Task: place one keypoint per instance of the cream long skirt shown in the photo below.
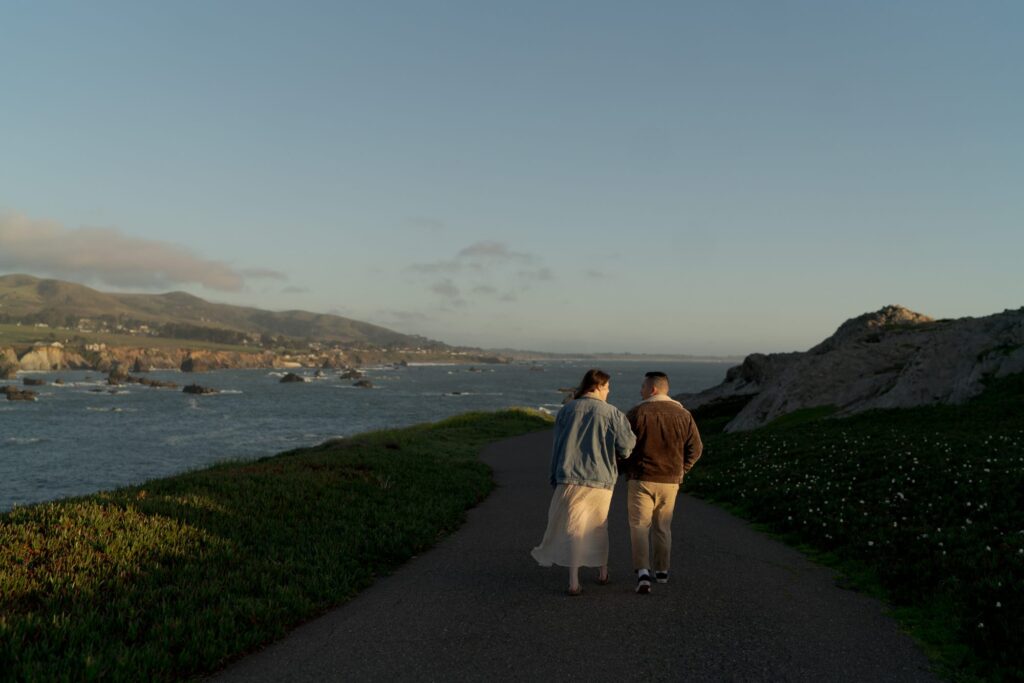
(577, 533)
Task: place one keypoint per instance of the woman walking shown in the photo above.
(589, 434)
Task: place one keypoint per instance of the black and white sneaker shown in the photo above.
(643, 584)
(661, 577)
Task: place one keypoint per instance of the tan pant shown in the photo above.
(651, 505)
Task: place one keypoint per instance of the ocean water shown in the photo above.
(84, 436)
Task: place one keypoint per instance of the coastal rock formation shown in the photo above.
(15, 394)
(53, 357)
(147, 382)
(193, 364)
(117, 375)
(196, 389)
(292, 377)
(351, 373)
(363, 384)
(8, 364)
(33, 382)
(892, 358)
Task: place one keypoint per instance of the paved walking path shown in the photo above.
(739, 607)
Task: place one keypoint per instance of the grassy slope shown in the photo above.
(924, 507)
(15, 336)
(23, 295)
(173, 578)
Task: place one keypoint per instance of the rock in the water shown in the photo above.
(139, 366)
(15, 394)
(192, 364)
(363, 384)
(154, 383)
(59, 382)
(351, 373)
(118, 375)
(196, 389)
(292, 377)
(33, 382)
(892, 358)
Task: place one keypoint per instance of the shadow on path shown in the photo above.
(740, 607)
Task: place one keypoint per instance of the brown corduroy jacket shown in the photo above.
(667, 441)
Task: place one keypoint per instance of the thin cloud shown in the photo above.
(449, 292)
(483, 270)
(445, 288)
(405, 316)
(475, 258)
(442, 267)
(544, 274)
(294, 290)
(493, 251)
(109, 256)
(263, 274)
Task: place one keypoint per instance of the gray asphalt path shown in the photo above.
(739, 607)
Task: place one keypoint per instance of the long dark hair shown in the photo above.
(592, 380)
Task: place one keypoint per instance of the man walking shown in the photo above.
(667, 446)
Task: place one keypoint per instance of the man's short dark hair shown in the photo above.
(658, 379)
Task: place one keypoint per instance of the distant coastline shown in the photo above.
(538, 356)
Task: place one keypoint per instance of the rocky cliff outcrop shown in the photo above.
(892, 358)
(46, 358)
(8, 364)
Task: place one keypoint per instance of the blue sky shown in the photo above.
(709, 178)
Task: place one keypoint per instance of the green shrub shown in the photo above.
(925, 504)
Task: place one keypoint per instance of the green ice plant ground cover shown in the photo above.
(175, 577)
(923, 507)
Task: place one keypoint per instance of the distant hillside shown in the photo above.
(31, 300)
(892, 358)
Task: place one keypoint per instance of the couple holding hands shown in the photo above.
(655, 444)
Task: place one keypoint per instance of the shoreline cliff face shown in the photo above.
(892, 358)
(48, 358)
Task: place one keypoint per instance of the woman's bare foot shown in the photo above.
(602, 575)
(574, 581)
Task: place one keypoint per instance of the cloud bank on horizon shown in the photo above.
(111, 257)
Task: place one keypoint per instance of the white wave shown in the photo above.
(23, 440)
(231, 391)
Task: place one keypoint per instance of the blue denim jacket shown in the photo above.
(589, 433)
